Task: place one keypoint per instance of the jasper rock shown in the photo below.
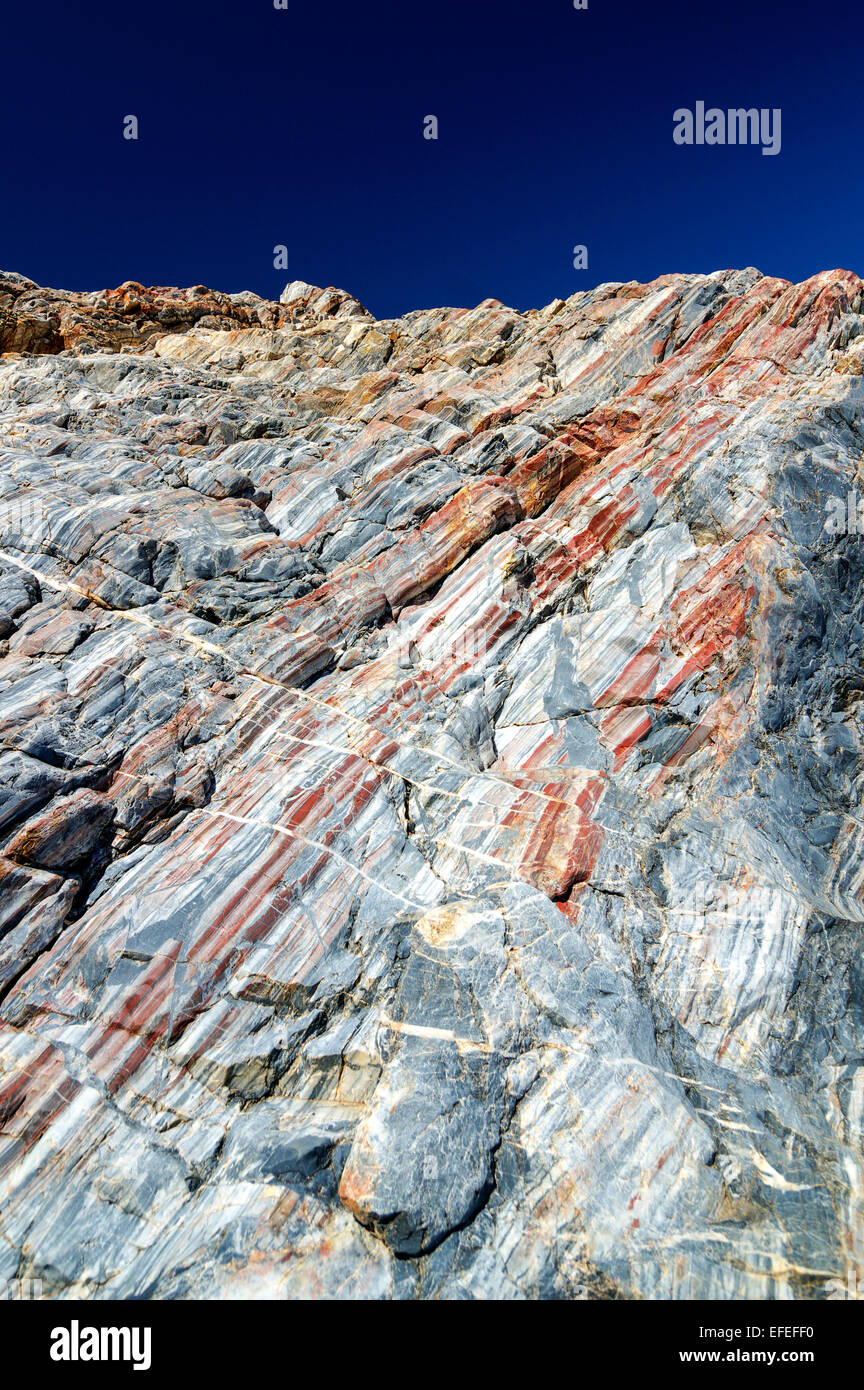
(432, 752)
(33, 910)
(426, 1170)
(65, 834)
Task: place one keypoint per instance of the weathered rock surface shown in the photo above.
(430, 780)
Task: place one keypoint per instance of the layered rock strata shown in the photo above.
(430, 779)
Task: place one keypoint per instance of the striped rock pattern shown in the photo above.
(431, 863)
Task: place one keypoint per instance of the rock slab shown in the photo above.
(430, 785)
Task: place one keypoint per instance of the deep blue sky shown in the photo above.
(261, 127)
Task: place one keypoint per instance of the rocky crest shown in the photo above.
(430, 775)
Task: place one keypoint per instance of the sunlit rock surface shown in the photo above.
(430, 780)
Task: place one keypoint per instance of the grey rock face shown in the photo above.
(430, 794)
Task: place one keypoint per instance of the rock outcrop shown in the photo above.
(430, 771)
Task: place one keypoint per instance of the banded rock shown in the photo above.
(430, 845)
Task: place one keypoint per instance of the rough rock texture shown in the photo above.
(430, 767)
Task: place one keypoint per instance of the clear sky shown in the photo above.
(303, 127)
